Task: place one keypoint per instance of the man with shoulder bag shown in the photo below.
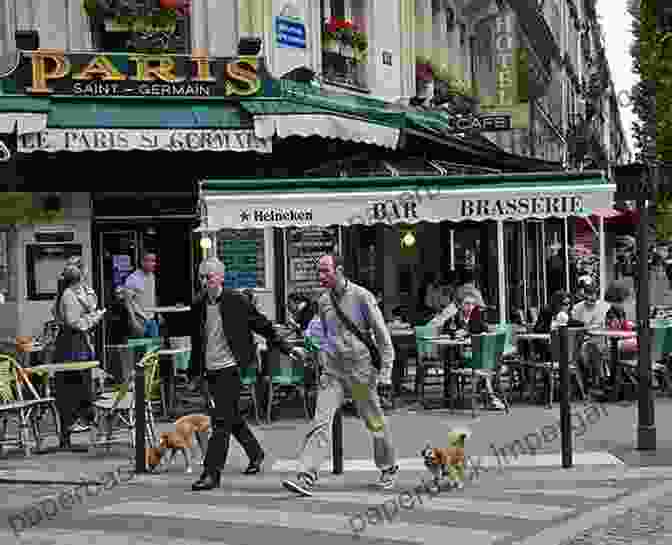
(351, 362)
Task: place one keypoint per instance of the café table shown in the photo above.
(402, 337)
(167, 357)
(456, 344)
(53, 368)
(613, 335)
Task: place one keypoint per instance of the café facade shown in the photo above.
(240, 156)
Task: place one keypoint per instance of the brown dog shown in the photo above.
(180, 440)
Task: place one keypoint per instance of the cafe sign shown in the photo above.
(52, 140)
(46, 72)
(561, 205)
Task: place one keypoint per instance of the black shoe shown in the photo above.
(255, 465)
(208, 481)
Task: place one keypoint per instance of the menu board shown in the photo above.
(305, 246)
(242, 252)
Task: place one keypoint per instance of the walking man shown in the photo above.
(221, 344)
(348, 365)
(143, 282)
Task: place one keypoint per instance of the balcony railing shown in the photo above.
(342, 69)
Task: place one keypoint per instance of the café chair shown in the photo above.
(286, 374)
(428, 359)
(30, 414)
(120, 407)
(661, 344)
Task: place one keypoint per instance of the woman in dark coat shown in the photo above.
(76, 311)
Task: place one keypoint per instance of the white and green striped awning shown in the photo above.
(245, 204)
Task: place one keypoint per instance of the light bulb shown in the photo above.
(206, 243)
(408, 240)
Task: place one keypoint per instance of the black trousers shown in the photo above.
(225, 419)
(73, 398)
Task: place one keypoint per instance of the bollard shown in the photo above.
(565, 415)
(337, 442)
(140, 418)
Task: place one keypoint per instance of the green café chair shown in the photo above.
(428, 359)
(487, 350)
(249, 379)
(287, 374)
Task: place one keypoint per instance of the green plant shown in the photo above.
(453, 82)
(161, 19)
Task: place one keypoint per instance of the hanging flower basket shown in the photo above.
(121, 20)
(342, 36)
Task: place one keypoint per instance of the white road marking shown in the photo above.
(584, 493)
(302, 520)
(460, 504)
(57, 536)
(491, 462)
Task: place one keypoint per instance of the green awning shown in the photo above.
(241, 204)
(23, 114)
(132, 113)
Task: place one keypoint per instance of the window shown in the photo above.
(44, 264)
(341, 63)
(115, 33)
(242, 252)
(7, 271)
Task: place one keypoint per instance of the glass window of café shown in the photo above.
(243, 253)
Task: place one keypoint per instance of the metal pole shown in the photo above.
(337, 442)
(646, 429)
(501, 273)
(140, 418)
(565, 415)
(603, 259)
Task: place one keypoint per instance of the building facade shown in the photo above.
(414, 57)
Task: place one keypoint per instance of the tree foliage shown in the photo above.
(652, 95)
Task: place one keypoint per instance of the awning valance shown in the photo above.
(22, 115)
(244, 204)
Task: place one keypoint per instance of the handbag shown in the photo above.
(376, 360)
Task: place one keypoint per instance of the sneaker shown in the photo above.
(302, 485)
(78, 428)
(388, 477)
(496, 404)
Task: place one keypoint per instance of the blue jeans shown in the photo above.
(151, 328)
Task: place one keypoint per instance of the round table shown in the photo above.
(167, 367)
(455, 343)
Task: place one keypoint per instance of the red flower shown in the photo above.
(332, 27)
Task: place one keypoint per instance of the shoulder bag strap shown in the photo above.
(350, 325)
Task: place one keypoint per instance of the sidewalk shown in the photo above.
(608, 440)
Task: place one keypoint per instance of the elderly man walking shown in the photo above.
(351, 362)
(221, 344)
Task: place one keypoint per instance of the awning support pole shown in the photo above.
(452, 249)
(501, 272)
(523, 230)
(565, 225)
(603, 264)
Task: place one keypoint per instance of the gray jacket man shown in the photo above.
(347, 368)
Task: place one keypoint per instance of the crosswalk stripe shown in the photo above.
(583, 493)
(460, 504)
(57, 536)
(302, 520)
(524, 460)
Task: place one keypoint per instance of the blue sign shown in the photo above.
(290, 32)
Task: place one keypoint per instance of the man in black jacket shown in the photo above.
(221, 344)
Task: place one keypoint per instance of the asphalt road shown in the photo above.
(508, 508)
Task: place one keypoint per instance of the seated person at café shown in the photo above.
(466, 284)
(617, 295)
(468, 320)
(592, 313)
(552, 316)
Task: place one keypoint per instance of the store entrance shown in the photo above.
(119, 249)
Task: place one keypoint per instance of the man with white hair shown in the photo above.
(221, 344)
